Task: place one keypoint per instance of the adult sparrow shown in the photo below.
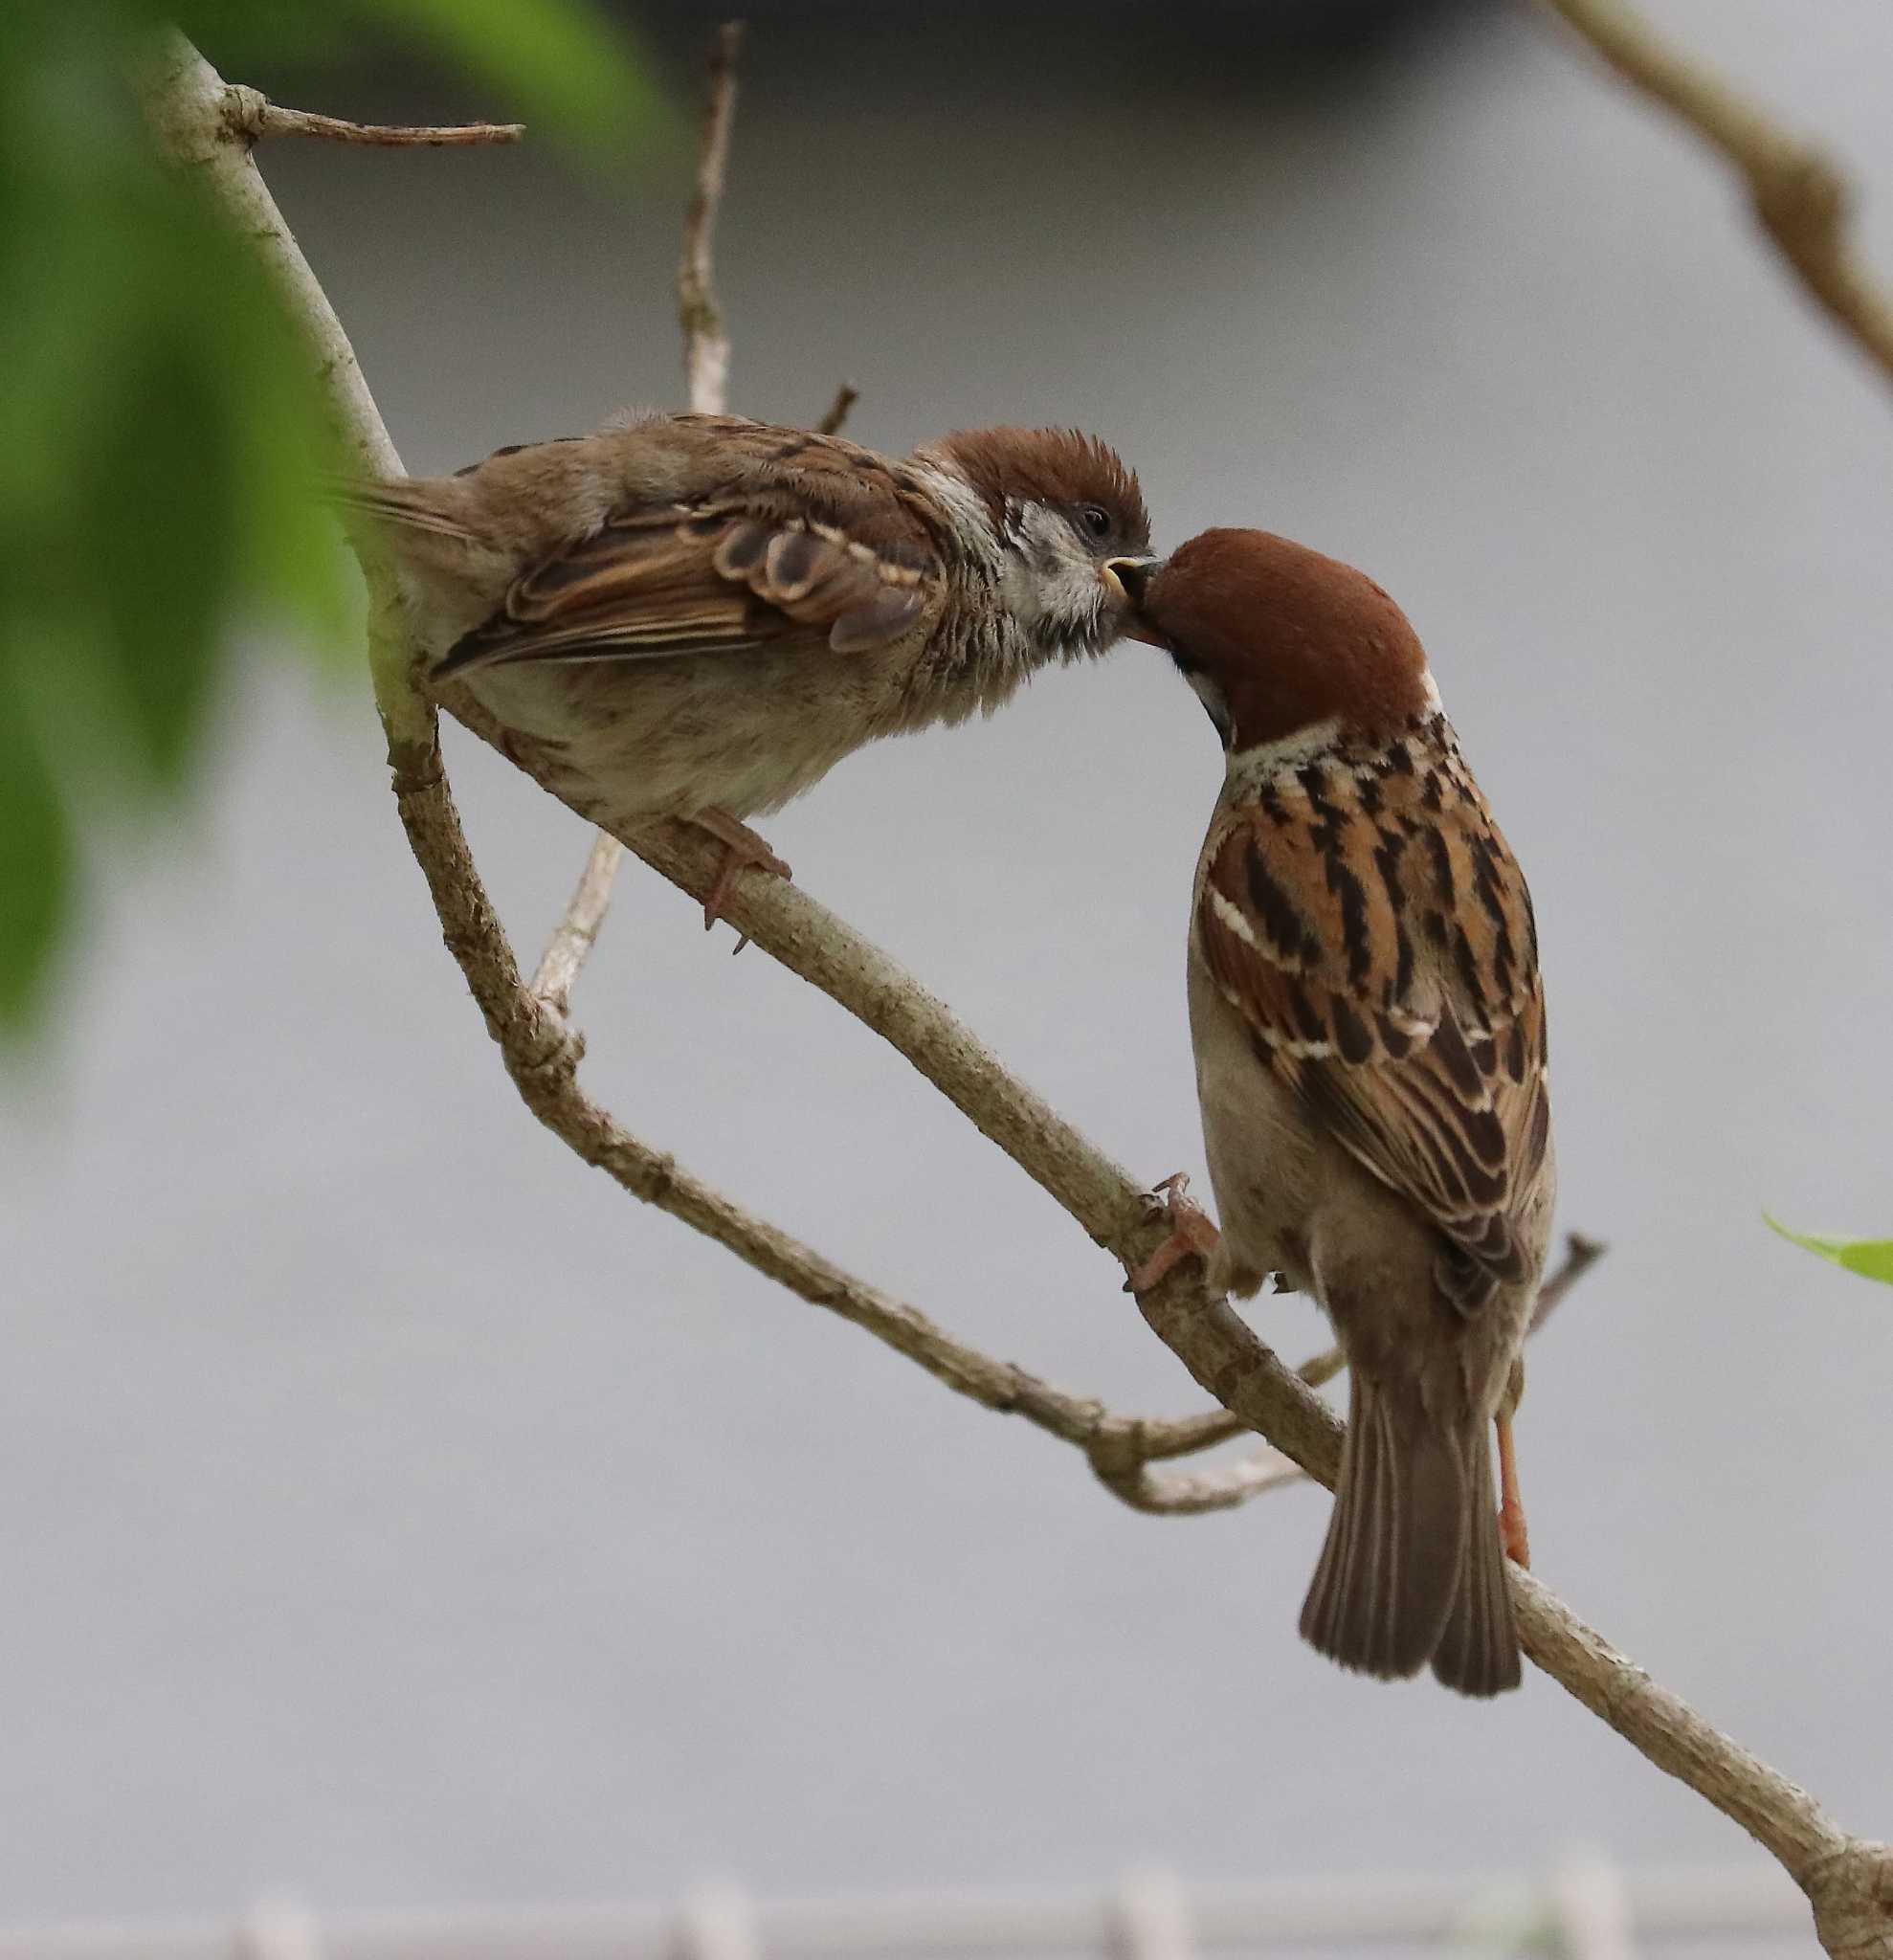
(698, 617)
(1369, 1026)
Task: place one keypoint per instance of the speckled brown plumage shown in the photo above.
(1410, 1024)
(1371, 1042)
(682, 616)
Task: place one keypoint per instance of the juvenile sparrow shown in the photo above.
(1368, 1025)
(698, 617)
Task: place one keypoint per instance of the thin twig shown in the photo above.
(1581, 1254)
(1235, 1484)
(845, 398)
(1319, 1369)
(540, 1048)
(1849, 1880)
(541, 1053)
(706, 369)
(577, 931)
(1120, 1465)
(254, 117)
(705, 342)
(1800, 197)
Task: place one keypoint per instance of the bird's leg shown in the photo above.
(1191, 1235)
(742, 850)
(1511, 1507)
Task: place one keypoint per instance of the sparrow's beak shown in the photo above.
(1129, 576)
(1125, 576)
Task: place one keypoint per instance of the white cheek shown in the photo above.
(1048, 576)
(1024, 593)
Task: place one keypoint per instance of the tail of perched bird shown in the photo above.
(1479, 1649)
(441, 540)
(408, 505)
(1412, 1570)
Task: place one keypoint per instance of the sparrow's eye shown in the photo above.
(1095, 519)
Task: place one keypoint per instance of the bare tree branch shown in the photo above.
(706, 341)
(577, 931)
(253, 117)
(542, 1055)
(195, 116)
(1848, 1880)
(540, 1050)
(707, 372)
(1118, 1464)
(1800, 197)
(1581, 1254)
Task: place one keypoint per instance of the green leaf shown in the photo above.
(295, 566)
(1870, 1257)
(160, 427)
(561, 63)
(164, 537)
(241, 38)
(37, 860)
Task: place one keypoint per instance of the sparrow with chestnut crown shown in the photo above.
(1368, 1025)
(698, 617)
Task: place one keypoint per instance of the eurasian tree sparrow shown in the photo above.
(1368, 1025)
(698, 617)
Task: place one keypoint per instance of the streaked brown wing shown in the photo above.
(1382, 950)
(650, 584)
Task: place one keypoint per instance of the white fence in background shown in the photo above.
(1588, 1909)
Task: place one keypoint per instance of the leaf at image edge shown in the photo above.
(1872, 1258)
(37, 864)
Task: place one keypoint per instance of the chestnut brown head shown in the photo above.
(1277, 640)
(1070, 519)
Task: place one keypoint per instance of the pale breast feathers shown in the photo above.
(1368, 921)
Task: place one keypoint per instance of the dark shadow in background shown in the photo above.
(846, 57)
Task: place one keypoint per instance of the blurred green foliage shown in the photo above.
(1870, 1257)
(159, 427)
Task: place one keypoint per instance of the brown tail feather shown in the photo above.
(396, 503)
(1389, 1572)
(1479, 1651)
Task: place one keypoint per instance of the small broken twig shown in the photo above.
(250, 115)
(706, 341)
(577, 931)
(1581, 1254)
(845, 398)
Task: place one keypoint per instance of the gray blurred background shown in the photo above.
(392, 1510)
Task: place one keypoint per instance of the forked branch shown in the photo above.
(706, 375)
(1848, 1880)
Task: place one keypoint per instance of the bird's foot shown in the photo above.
(743, 851)
(1512, 1534)
(1191, 1235)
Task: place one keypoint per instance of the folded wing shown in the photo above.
(1375, 933)
(650, 584)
